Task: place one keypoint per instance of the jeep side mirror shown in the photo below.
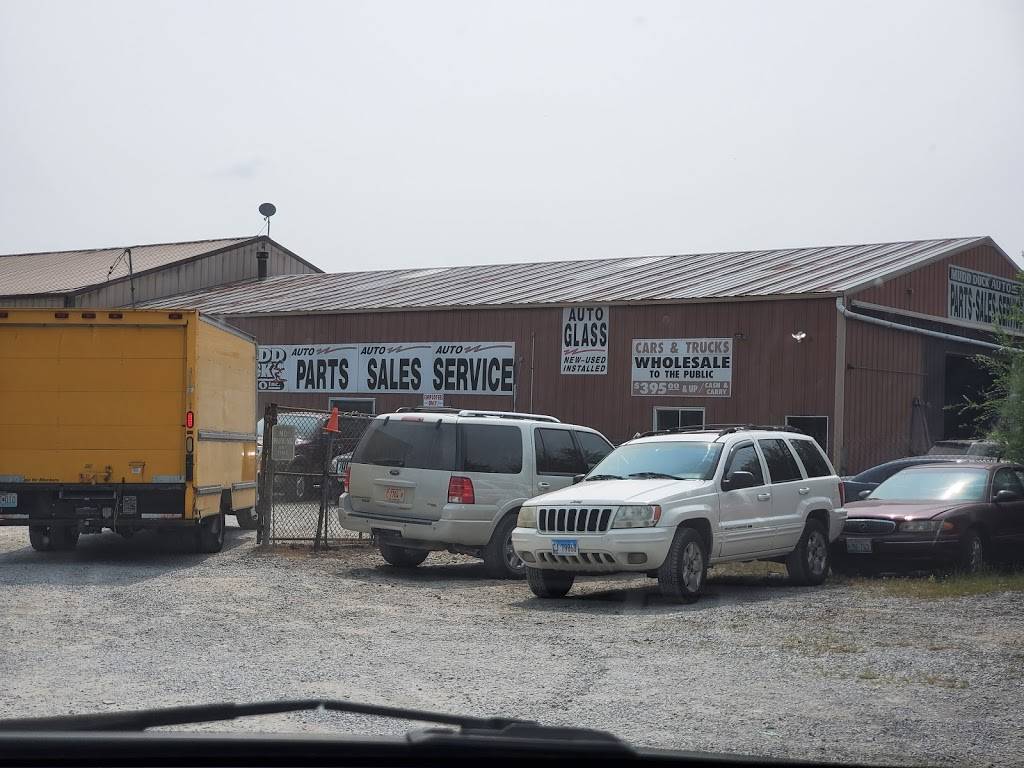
(737, 480)
(577, 479)
(864, 494)
(1006, 495)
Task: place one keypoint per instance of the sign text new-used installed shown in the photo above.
(585, 340)
(472, 367)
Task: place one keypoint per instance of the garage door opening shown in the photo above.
(967, 380)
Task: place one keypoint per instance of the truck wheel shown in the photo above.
(808, 564)
(402, 557)
(67, 537)
(41, 538)
(210, 535)
(547, 584)
(682, 575)
(246, 519)
(500, 559)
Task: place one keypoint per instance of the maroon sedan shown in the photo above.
(965, 513)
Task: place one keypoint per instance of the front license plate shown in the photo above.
(565, 547)
(9, 500)
(860, 546)
(394, 495)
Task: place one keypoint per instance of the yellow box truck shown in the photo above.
(127, 420)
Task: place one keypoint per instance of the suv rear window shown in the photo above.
(408, 443)
(491, 448)
(810, 455)
(782, 467)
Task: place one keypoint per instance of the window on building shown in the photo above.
(677, 418)
(354, 405)
(556, 453)
(782, 467)
(815, 426)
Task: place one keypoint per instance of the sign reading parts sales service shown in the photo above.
(978, 297)
(682, 367)
(585, 340)
(470, 367)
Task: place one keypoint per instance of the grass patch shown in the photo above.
(940, 587)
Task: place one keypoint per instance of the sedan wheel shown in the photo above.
(972, 552)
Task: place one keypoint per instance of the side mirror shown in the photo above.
(737, 480)
(1005, 495)
(577, 479)
(864, 494)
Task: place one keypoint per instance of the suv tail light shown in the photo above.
(460, 491)
(346, 477)
(842, 493)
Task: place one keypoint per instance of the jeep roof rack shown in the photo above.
(508, 415)
(721, 429)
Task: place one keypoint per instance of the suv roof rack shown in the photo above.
(722, 429)
(425, 409)
(508, 415)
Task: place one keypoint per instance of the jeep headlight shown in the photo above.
(637, 516)
(527, 517)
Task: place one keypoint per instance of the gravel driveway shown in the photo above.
(841, 672)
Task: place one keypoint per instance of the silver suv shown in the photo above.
(671, 504)
(445, 479)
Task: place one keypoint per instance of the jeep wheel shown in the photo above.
(682, 575)
(547, 584)
(808, 564)
(500, 558)
(401, 557)
(210, 533)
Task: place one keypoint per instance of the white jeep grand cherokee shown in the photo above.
(671, 504)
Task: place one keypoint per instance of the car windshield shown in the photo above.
(676, 459)
(933, 484)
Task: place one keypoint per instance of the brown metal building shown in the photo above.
(864, 346)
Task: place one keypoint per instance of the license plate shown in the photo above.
(565, 547)
(9, 500)
(860, 546)
(394, 495)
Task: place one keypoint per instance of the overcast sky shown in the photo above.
(395, 134)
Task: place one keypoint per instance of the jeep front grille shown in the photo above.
(573, 519)
(868, 525)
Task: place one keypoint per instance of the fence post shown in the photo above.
(265, 485)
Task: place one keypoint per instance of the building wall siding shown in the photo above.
(773, 375)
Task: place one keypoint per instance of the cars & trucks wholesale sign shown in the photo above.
(682, 367)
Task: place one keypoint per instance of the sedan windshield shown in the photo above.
(931, 484)
(675, 460)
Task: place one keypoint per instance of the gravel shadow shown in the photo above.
(109, 558)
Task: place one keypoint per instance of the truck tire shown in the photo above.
(809, 562)
(210, 533)
(401, 557)
(41, 538)
(547, 584)
(246, 519)
(500, 559)
(67, 538)
(682, 575)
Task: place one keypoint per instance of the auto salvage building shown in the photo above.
(864, 346)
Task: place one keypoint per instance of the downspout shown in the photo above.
(839, 399)
(851, 315)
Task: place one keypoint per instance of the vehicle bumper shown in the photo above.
(900, 547)
(136, 505)
(418, 533)
(598, 553)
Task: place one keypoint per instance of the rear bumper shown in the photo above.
(417, 533)
(598, 552)
(141, 505)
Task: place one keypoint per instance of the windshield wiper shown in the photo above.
(141, 719)
(605, 477)
(655, 476)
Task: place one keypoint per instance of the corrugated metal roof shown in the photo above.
(825, 270)
(64, 271)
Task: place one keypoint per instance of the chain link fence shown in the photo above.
(302, 464)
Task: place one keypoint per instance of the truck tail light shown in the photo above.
(190, 420)
(460, 491)
(346, 476)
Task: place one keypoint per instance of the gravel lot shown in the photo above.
(841, 672)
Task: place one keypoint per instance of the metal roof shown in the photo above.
(65, 271)
(795, 271)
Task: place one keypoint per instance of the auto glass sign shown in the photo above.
(682, 367)
(978, 297)
(585, 340)
(470, 367)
